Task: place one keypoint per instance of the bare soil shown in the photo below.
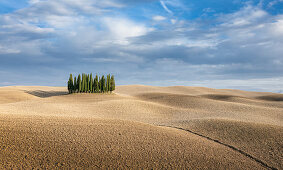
(140, 127)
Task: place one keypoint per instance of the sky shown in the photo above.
(235, 44)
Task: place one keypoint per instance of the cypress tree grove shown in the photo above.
(85, 83)
(112, 84)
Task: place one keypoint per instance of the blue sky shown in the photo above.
(220, 44)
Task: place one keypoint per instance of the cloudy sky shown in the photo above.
(220, 44)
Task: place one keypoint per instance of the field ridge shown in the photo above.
(224, 144)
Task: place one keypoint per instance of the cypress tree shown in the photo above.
(83, 83)
(87, 83)
(96, 84)
(70, 84)
(75, 85)
(112, 85)
(82, 89)
(103, 87)
(79, 84)
(90, 83)
(108, 83)
(93, 85)
(99, 84)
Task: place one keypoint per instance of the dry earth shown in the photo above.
(140, 127)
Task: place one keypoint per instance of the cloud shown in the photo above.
(227, 50)
(276, 28)
(247, 15)
(59, 37)
(5, 50)
(158, 18)
(124, 28)
(274, 2)
(165, 7)
(34, 1)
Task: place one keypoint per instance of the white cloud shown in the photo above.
(277, 28)
(165, 7)
(7, 50)
(274, 2)
(158, 18)
(34, 1)
(186, 42)
(173, 21)
(120, 57)
(245, 16)
(56, 21)
(121, 28)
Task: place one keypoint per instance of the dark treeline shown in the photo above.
(85, 83)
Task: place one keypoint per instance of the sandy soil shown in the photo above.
(140, 127)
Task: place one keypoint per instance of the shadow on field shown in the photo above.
(219, 97)
(45, 94)
(276, 97)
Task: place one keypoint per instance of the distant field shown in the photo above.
(140, 127)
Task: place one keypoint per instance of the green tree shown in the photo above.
(108, 83)
(96, 84)
(90, 83)
(99, 83)
(70, 84)
(83, 85)
(79, 83)
(75, 85)
(112, 85)
(87, 83)
(103, 84)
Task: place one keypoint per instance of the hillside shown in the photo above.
(141, 126)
